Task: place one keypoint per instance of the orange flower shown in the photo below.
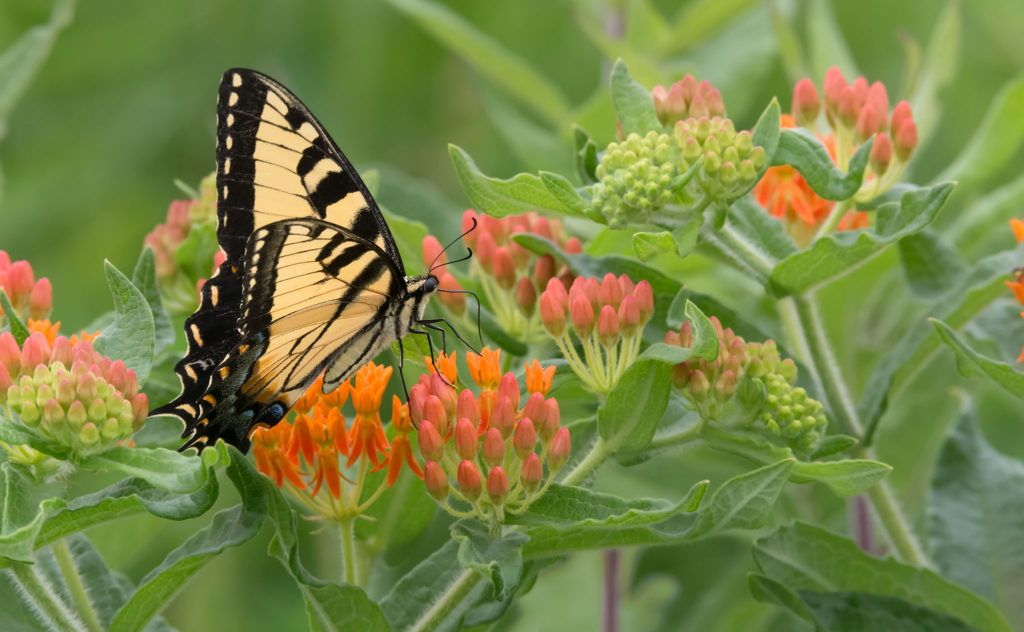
(367, 433)
(485, 368)
(271, 459)
(1017, 285)
(446, 363)
(1018, 229)
(45, 327)
(401, 447)
(83, 336)
(538, 380)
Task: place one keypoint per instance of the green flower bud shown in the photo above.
(757, 157)
(744, 143)
(109, 430)
(97, 411)
(712, 163)
(729, 154)
(77, 415)
(90, 434)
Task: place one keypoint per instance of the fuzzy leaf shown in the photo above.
(519, 194)
(163, 468)
(766, 133)
(800, 148)
(745, 501)
(648, 245)
(409, 603)
(194, 256)
(144, 278)
(585, 155)
(18, 328)
(501, 560)
(803, 557)
(976, 516)
(970, 363)
(864, 612)
(838, 254)
(633, 103)
(132, 335)
(845, 478)
(931, 264)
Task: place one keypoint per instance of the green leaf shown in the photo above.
(984, 284)
(760, 229)
(163, 468)
(834, 444)
(770, 591)
(970, 363)
(195, 255)
(500, 560)
(864, 612)
(633, 103)
(569, 519)
(803, 557)
(710, 305)
(845, 478)
(800, 148)
(646, 246)
(744, 501)
(995, 141)
(976, 516)
(825, 43)
(18, 328)
(20, 518)
(132, 336)
(767, 131)
(128, 497)
(519, 194)
(838, 254)
(410, 602)
(23, 59)
(931, 264)
(585, 155)
(229, 528)
(499, 65)
(144, 278)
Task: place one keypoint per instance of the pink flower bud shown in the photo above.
(629, 316)
(525, 438)
(117, 375)
(53, 413)
(10, 354)
(436, 480)
(608, 326)
(465, 439)
(860, 92)
(833, 84)
(140, 409)
(509, 387)
(86, 386)
(485, 248)
(493, 447)
(444, 392)
(592, 290)
(19, 282)
(535, 408)
(5, 260)
(433, 252)
(34, 351)
(544, 270)
(433, 411)
(467, 408)
(805, 103)
(532, 472)
(61, 351)
(41, 299)
(900, 113)
(548, 424)
(881, 154)
(609, 292)
(417, 401)
(848, 107)
(469, 481)
(869, 123)
(905, 139)
(557, 291)
(497, 484)
(699, 385)
(503, 416)
(878, 99)
(431, 445)
(551, 312)
(5, 381)
(451, 296)
(561, 447)
(725, 386)
(699, 107)
(503, 268)
(582, 317)
(469, 218)
(526, 296)
(574, 246)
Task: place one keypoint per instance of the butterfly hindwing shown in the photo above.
(275, 162)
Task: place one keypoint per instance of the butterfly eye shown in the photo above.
(430, 284)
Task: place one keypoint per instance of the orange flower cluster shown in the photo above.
(786, 195)
(313, 450)
(1017, 285)
(462, 435)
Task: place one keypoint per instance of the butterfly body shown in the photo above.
(313, 282)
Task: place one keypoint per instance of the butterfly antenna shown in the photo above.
(451, 243)
(479, 330)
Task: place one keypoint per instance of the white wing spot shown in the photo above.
(196, 336)
(231, 119)
(236, 80)
(228, 142)
(227, 165)
(233, 99)
(225, 191)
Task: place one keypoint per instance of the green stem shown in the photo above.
(838, 211)
(346, 529)
(895, 522)
(739, 249)
(446, 602)
(598, 454)
(75, 586)
(673, 439)
(43, 600)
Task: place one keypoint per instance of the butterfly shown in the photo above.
(313, 282)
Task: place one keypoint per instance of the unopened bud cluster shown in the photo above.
(175, 273)
(68, 395)
(510, 275)
(607, 317)
(857, 112)
(643, 174)
(750, 386)
(483, 450)
(30, 298)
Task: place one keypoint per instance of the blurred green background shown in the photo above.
(124, 105)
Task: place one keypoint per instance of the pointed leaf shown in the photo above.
(166, 469)
(132, 335)
(766, 133)
(501, 560)
(803, 150)
(743, 502)
(585, 155)
(144, 278)
(845, 478)
(18, 328)
(520, 194)
(634, 104)
(864, 612)
(973, 364)
(931, 264)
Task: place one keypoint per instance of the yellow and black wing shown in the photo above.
(310, 275)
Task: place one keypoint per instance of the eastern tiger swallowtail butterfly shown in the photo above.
(313, 282)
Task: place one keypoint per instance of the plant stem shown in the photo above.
(447, 601)
(838, 211)
(346, 529)
(670, 440)
(610, 614)
(75, 586)
(895, 523)
(43, 600)
(597, 455)
(746, 255)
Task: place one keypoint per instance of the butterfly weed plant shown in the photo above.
(449, 501)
